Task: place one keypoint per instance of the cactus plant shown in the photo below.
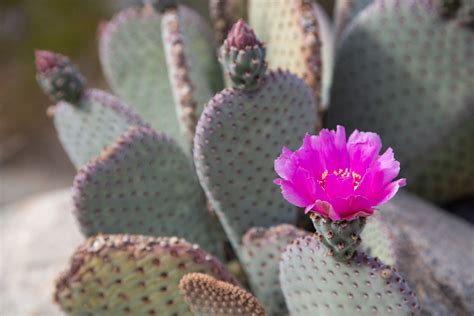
(119, 274)
(154, 188)
(315, 284)
(241, 128)
(171, 158)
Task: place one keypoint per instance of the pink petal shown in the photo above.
(308, 157)
(387, 192)
(320, 207)
(350, 207)
(332, 149)
(292, 194)
(363, 148)
(284, 165)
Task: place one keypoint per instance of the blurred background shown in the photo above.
(31, 159)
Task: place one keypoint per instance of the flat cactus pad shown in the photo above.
(90, 125)
(132, 274)
(290, 31)
(261, 254)
(237, 138)
(315, 284)
(144, 184)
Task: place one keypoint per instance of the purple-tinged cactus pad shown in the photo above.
(407, 74)
(132, 275)
(193, 69)
(237, 138)
(261, 254)
(91, 124)
(207, 296)
(144, 184)
(314, 284)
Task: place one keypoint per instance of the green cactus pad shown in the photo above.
(261, 253)
(143, 184)
(411, 82)
(132, 275)
(207, 296)
(134, 60)
(90, 125)
(378, 240)
(291, 33)
(435, 252)
(317, 285)
(238, 136)
(345, 11)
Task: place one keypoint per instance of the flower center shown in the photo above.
(346, 173)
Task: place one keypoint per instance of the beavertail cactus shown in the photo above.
(315, 284)
(87, 120)
(144, 184)
(139, 275)
(207, 296)
(261, 254)
(162, 64)
(241, 129)
(173, 158)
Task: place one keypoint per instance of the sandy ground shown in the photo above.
(45, 225)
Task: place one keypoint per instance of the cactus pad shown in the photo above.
(345, 11)
(315, 284)
(144, 184)
(194, 72)
(133, 59)
(291, 33)
(136, 275)
(135, 62)
(406, 73)
(207, 296)
(237, 137)
(378, 240)
(90, 125)
(261, 254)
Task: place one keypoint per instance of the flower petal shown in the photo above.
(363, 148)
(350, 207)
(284, 165)
(332, 149)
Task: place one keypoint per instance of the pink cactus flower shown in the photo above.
(337, 178)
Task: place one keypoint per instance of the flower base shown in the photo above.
(341, 238)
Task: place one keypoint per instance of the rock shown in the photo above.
(38, 237)
(436, 254)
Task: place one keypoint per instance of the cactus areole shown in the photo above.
(340, 181)
(58, 77)
(243, 57)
